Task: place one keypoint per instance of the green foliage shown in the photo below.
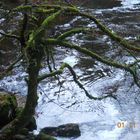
(8, 104)
(43, 136)
(19, 111)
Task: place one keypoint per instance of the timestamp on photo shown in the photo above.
(122, 124)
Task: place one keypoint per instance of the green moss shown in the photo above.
(43, 136)
(19, 110)
(7, 101)
(8, 104)
(5, 97)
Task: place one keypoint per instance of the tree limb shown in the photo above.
(72, 31)
(10, 36)
(110, 33)
(60, 71)
(10, 67)
(95, 56)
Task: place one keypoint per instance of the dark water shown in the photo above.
(97, 119)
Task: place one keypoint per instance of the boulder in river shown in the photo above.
(66, 130)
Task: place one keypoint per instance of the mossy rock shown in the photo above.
(43, 136)
(8, 105)
(18, 111)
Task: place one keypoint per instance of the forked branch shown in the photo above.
(60, 71)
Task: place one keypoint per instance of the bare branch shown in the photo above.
(82, 87)
(60, 71)
(9, 35)
(10, 67)
(48, 58)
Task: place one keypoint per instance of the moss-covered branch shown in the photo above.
(35, 34)
(94, 55)
(72, 31)
(44, 6)
(88, 53)
(106, 30)
(110, 33)
(53, 73)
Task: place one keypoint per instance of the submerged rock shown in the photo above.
(66, 130)
(8, 105)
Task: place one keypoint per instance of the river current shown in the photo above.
(63, 102)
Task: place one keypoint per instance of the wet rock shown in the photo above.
(69, 130)
(50, 131)
(8, 105)
(66, 130)
(43, 136)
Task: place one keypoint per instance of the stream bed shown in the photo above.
(63, 102)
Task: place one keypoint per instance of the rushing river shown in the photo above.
(97, 119)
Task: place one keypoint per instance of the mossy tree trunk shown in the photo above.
(20, 122)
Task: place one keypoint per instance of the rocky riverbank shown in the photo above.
(11, 105)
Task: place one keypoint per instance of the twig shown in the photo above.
(10, 36)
